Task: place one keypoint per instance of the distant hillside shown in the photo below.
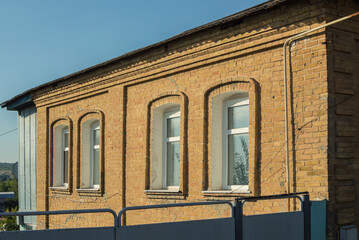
(8, 171)
(6, 166)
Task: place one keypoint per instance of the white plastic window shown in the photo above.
(90, 173)
(95, 155)
(171, 154)
(235, 144)
(61, 156)
(65, 157)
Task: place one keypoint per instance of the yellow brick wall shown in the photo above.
(242, 55)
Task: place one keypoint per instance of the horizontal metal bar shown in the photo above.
(277, 196)
(172, 205)
(105, 210)
(297, 197)
(282, 196)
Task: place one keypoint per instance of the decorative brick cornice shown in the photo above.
(144, 71)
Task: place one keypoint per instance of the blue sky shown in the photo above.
(42, 40)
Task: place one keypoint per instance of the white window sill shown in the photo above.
(61, 188)
(226, 192)
(88, 189)
(163, 191)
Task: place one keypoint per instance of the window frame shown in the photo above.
(85, 183)
(226, 132)
(58, 183)
(169, 114)
(95, 126)
(64, 149)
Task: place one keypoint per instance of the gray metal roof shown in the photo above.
(226, 20)
(6, 195)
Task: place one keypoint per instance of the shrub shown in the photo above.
(9, 223)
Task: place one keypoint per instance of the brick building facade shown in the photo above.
(113, 116)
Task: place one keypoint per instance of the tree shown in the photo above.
(9, 186)
(241, 164)
(11, 204)
(9, 223)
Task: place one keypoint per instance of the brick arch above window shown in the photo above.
(160, 105)
(59, 181)
(84, 136)
(233, 88)
(89, 114)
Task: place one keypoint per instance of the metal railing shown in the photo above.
(22, 214)
(303, 197)
(173, 205)
(299, 196)
(236, 211)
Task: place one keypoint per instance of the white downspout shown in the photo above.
(287, 43)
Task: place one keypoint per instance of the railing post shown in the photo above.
(306, 210)
(117, 232)
(238, 217)
(20, 220)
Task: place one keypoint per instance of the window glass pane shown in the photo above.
(66, 167)
(66, 140)
(173, 127)
(96, 136)
(96, 166)
(238, 117)
(238, 159)
(173, 164)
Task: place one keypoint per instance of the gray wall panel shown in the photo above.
(33, 184)
(61, 234)
(27, 159)
(318, 220)
(27, 162)
(279, 226)
(214, 229)
(21, 180)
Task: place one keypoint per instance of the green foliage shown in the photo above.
(9, 186)
(241, 165)
(8, 183)
(6, 171)
(5, 175)
(11, 203)
(9, 223)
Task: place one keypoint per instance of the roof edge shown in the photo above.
(21, 102)
(231, 18)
